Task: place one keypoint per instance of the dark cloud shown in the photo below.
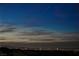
(36, 32)
(2, 38)
(6, 28)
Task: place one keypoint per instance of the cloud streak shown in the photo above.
(34, 34)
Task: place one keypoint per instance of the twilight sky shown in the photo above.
(58, 17)
(39, 22)
(39, 25)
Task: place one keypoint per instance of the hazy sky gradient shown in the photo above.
(39, 25)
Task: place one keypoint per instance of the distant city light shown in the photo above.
(57, 49)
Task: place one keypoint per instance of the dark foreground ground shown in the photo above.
(18, 52)
(21, 49)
